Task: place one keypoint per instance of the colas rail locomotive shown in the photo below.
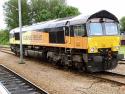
(82, 42)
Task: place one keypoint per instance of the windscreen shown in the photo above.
(104, 28)
(111, 29)
(96, 29)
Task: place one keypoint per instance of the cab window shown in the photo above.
(111, 29)
(96, 29)
(17, 36)
(79, 30)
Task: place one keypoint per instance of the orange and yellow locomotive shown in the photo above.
(89, 43)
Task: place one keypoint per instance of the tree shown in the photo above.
(51, 9)
(4, 37)
(11, 13)
(122, 23)
(37, 11)
(65, 11)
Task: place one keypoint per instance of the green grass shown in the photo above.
(6, 46)
(122, 50)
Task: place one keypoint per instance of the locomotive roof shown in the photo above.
(80, 19)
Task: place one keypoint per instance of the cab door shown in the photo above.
(11, 38)
(79, 36)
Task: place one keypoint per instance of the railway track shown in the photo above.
(15, 84)
(6, 50)
(111, 77)
(121, 63)
(107, 76)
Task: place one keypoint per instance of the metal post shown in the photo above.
(20, 27)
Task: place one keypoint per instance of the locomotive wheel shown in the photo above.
(111, 64)
(78, 65)
(49, 60)
(114, 63)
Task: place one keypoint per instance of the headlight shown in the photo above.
(117, 47)
(93, 50)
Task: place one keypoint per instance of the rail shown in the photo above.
(16, 84)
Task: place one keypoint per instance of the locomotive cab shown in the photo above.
(103, 42)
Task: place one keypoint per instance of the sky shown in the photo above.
(2, 22)
(86, 7)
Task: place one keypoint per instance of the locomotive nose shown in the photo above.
(98, 42)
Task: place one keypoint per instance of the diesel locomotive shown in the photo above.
(89, 43)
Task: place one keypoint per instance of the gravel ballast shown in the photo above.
(58, 81)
